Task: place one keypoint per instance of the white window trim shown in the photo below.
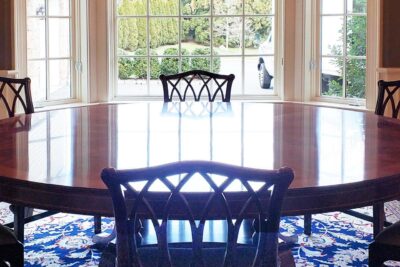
(79, 68)
(279, 59)
(311, 60)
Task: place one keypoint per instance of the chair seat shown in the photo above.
(181, 255)
(390, 235)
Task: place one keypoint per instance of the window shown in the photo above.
(154, 37)
(49, 49)
(342, 50)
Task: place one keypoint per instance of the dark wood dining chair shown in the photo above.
(388, 98)
(183, 85)
(385, 247)
(388, 103)
(14, 92)
(11, 250)
(260, 200)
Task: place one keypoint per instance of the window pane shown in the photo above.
(170, 65)
(228, 7)
(332, 6)
(230, 65)
(35, 8)
(58, 7)
(164, 7)
(227, 38)
(132, 75)
(230, 38)
(355, 77)
(258, 77)
(259, 7)
(37, 73)
(132, 68)
(259, 36)
(160, 38)
(59, 41)
(357, 6)
(356, 35)
(332, 76)
(131, 7)
(131, 35)
(36, 38)
(155, 72)
(196, 34)
(203, 63)
(60, 79)
(332, 35)
(199, 7)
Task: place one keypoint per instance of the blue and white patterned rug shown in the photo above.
(337, 239)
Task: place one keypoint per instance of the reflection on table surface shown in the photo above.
(324, 146)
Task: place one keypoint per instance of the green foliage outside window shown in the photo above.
(196, 31)
(136, 67)
(203, 63)
(170, 65)
(125, 68)
(356, 46)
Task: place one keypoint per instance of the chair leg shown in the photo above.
(307, 223)
(97, 224)
(375, 257)
(378, 217)
(19, 216)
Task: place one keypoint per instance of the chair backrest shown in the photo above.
(260, 199)
(13, 91)
(185, 83)
(388, 96)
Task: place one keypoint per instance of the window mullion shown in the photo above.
(344, 80)
(180, 27)
(47, 55)
(148, 46)
(211, 35)
(243, 48)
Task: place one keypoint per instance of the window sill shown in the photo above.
(335, 105)
(311, 103)
(63, 106)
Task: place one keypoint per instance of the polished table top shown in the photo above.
(326, 147)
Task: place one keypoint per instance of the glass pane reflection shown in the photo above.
(51, 147)
(341, 152)
(195, 131)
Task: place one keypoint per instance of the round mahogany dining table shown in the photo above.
(342, 159)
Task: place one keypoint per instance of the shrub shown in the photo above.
(125, 68)
(203, 63)
(140, 64)
(170, 65)
(137, 67)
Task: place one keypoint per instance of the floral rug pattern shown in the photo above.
(65, 239)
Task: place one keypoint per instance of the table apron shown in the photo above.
(340, 197)
(98, 201)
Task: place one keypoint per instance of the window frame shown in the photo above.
(77, 68)
(279, 54)
(312, 56)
